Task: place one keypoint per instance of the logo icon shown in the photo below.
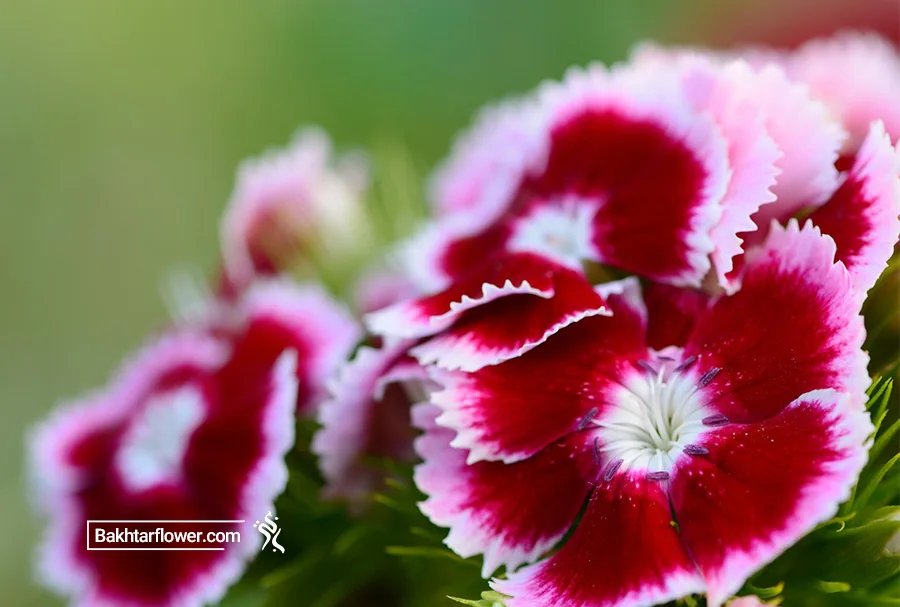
(270, 530)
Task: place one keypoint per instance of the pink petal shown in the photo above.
(510, 513)
(809, 140)
(503, 276)
(728, 91)
(377, 289)
(753, 155)
(277, 315)
(510, 326)
(285, 198)
(862, 215)
(583, 193)
(763, 486)
(366, 416)
(607, 133)
(232, 456)
(512, 410)
(869, 85)
(624, 552)
(793, 327)
(484, 168)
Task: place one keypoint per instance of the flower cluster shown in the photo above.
(626, 352)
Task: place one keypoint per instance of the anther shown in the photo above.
(668, 359)
(708, 377)
(598, 456)
(662, 475)
(715, 420)
(696, 449)
(587, 418)
(611, 470)
(687, 362)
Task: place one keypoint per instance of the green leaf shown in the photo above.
(863, 498)
(488, 599)
(424, 551)
(884, 439)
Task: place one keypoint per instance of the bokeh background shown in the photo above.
(121, 124)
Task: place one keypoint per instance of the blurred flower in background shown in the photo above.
(289, 203)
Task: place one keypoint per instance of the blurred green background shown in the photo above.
(121, 124)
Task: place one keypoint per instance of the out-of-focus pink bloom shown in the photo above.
(368, 417)
(857, 76)
(694, 430)
(180, 434)
(276, 315)
(379, 289)
(194, 428)
(287, 201)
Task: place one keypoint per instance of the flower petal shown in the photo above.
(727, 89)
(484, 168)
(379, 288)
(278, 315)
(869, 86)
(763, 486)
(229, 449)
(366, 416)
(624, 552)
(672, 313)
(512, 410)
(502, 276)
(511, 513)
(862, 215)
(510, 326)
(753, 156)
(285, 198)
(584, 192)
(809, 140)
(793, 327)
(607, 133)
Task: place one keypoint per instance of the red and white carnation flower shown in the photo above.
(194, 427)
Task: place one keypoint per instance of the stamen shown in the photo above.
(685, 364)
(611, 470)
(662, 475)
(643, 364)
(668, 359)
(598, 453)
(695, 450)
(715, 420)
(708, 377)
(587, 418)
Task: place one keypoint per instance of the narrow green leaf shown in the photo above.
(423, 551)
(883, 440)
(863, 498)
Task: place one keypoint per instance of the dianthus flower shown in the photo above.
(286, 203)
(195, 427)
(698, 463)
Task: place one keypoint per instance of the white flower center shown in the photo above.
(561, 231)
(153, 447)
(656, 415)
